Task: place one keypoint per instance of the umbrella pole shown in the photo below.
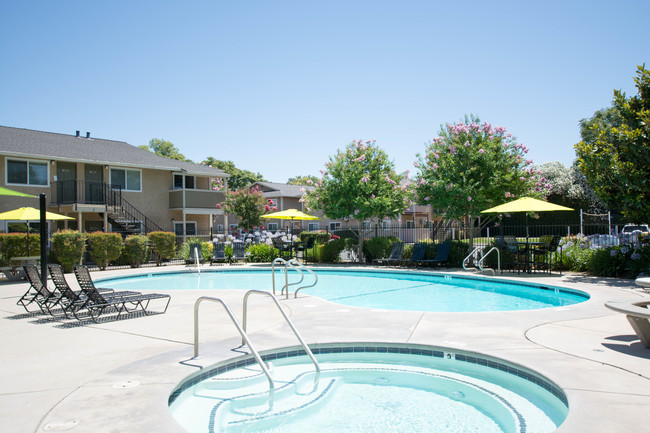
(43, 206)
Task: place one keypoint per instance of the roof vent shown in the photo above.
(87, 134)
(77, 133)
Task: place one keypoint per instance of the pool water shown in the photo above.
(370, 389)
(396, 290)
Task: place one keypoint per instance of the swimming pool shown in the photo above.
(390, 290)
(368, 387)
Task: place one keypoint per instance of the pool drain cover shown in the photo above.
(61, 425)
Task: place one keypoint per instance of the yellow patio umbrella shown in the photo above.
(526, 204)
(290, 214)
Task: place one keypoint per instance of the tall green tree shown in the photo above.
(303, 180)
(238, 178)
(471, 167)
(614, 154)
(164, 148)
(360, 183)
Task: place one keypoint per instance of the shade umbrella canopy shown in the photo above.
(31, 214)
(290, 214)
(11, 192)
(526, 204)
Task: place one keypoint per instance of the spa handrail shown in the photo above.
(286, 318)
(241, 330)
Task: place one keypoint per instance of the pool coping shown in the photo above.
(109, 395)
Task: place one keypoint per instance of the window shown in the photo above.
(409, 224)
(385, 224)
(335, 226)
(312, 227)
(190, 228)
(219, 228)
(178, 182)
(127, 179)
(367, 225)
(272, 227)
(27, 172)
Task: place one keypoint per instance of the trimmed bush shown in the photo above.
(69, 247)
(163, 245)
(136, 250)
(330, 252)
(15, 245)
(262, 253)
(206, 249)
(104, 248)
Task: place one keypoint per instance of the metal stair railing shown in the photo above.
(289, 322)
(114, 198)
(241, 330)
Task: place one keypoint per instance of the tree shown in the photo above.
(567, 187)
(614, 154)
(303, 180)
(471, 167)
(248, 204)
(164, 148)
(360, 184)
(238, 178)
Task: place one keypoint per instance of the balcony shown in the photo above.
(195, 198)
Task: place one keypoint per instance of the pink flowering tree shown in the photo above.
(360, 184)
(472, 166)
(248, 204)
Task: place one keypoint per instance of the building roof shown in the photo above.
(28, 143)
(271, 189)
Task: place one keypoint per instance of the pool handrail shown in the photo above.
(286, 318)
(286, 275)
(478, 251)
(302, 266)
(241, 330)
(480, 262)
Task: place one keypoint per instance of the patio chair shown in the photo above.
(281, 245)
(238, 252)
(218, 253)
(121, 302)
(306, 246)
(395, 255)
(419, 251)
(37, 292)
(195, 253)
(546, 255)
(441, 257)
(518, 254)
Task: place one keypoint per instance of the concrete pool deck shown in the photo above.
(116, 376)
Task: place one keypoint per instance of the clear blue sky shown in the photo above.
(278, 86)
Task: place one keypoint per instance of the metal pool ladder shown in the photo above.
(297, 266)
(244, 335)
(479, 258)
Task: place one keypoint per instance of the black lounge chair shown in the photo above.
(37, 292)
(306, 246)
(121, 302)
(395, 255)
(442, 255)
(195, 253)
(238, 252)
(518, 253)
(419, 251)
(218, 253)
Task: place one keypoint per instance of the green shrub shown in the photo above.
(69, 247)
(206, 249)
(378, 247)
(136, 250)
(15, 245)
(163, 245)
(320, 236)
(262, 253)
(330, 252)
(104, 248)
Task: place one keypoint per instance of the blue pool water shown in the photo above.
(369, 388)
(392, 290)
